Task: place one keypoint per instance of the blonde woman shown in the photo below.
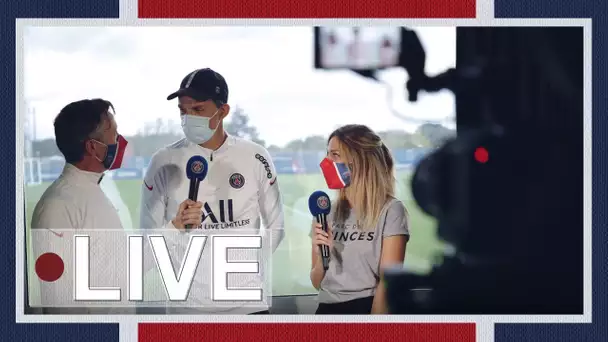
(368, 227)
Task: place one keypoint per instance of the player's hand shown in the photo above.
(320, 237)
(188, 213)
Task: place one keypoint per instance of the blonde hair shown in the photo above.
(372, 175)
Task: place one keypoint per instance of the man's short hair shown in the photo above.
(76, 123)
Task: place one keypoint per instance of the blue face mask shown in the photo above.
(196, 128)
(114, 153)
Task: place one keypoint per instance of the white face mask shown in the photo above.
(196, 128)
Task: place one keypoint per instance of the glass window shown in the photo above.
(278, 99)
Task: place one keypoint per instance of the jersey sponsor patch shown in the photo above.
(221, 216)
(236, 180)
(265, 163)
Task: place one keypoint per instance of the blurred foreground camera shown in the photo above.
(507, 191)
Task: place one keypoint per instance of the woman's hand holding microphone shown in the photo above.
(320, 237)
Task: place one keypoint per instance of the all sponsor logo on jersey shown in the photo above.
(221, 217)
(323, 202)
(237, 180)
(265, 163)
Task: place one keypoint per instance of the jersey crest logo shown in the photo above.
(237, 180)
(197, 167)
(323, 202)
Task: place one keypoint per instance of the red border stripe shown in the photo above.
(423, 332)
(291, 332)
(308, 9)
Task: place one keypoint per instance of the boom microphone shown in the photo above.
(196, 171)
(320, 206)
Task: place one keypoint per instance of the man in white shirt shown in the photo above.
(241, 184)
(86, 134)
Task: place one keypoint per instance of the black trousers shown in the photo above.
(360, 306)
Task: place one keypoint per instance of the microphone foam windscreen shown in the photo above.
(197, 168)
(319, 203)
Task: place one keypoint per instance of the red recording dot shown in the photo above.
(49, 267)
(481, 155)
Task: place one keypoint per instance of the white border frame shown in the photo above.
(128, 323)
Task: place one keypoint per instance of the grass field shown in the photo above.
(291, 261)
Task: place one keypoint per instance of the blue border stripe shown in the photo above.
(597, 331)
(504, 9)
(11, 9)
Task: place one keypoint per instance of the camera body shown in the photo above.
(507, 191)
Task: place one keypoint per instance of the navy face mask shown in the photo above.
(114, 153)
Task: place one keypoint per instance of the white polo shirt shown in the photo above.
(74, 201)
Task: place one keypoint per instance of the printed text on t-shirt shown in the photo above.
(351, 232)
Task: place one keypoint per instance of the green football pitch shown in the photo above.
(291, 261)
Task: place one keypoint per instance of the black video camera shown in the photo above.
(507, 191)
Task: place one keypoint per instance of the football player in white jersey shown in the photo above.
(241, 184)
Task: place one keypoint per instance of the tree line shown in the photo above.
(159, 133)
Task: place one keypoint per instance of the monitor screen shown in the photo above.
(358, 48)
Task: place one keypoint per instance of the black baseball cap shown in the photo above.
(202, 85)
